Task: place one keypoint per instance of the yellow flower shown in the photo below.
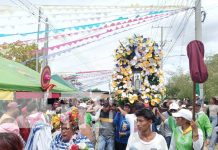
(133, 98)
(151, 48)
(119, 91)
(114, 84)
(152, 102)
(128, 52)
(148, 55)
(151, 70)
(118, 56)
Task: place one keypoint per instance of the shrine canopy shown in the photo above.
(17, 77)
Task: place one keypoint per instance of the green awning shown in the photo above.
(17, 77)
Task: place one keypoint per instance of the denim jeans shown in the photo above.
(105, 143)
(213, 139)
(213, 120)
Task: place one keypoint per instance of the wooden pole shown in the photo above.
(194, 99)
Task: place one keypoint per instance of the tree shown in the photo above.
(20, 52)
(211, 85)
(180, 85)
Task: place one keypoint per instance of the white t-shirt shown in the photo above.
(213, 110)
(135, 143)
(131, 118)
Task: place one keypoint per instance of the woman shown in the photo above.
(213, 110)
(10, 141)
(69, 138)
(186, 135)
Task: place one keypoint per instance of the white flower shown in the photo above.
(82, 145)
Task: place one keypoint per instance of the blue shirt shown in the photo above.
(121, 125)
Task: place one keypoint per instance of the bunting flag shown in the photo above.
(90, 26)
(111, 33)
(108, 28)
(94, 30)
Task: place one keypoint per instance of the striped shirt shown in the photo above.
(58, 144)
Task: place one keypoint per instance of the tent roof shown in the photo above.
(17, 77)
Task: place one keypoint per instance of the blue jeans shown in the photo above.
(213, 139)
(213, 120)
(105, 143)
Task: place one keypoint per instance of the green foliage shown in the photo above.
(180, 85)
(20, 52)
(211, 85)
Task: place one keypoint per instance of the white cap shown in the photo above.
(174, 106)
(83, 105)
(184, 113)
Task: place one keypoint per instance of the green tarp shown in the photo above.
(17, 77)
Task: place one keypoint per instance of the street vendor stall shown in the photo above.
(19, 81)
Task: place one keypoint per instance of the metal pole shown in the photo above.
(198, 34)
(194, 99)
(45, 51)
(37, 54)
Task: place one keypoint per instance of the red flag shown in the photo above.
(198, 69)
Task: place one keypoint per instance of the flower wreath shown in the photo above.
(71, 116)
(142, 54)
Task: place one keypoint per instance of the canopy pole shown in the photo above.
(194, 99)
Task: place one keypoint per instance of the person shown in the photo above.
(8, 121)
(167, 119)
(186, 135)
(203, 122)
(23, 124)
(34, 116)
(69, 136)
(122, 128)
(10, 141)
(213, 110)
(106, 130)
(145, 138)
(131, 118)
(11, 114)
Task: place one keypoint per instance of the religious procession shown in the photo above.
(98, 75)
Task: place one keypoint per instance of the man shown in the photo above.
(106, 131)
(122, 128)
(11, 114)
(8, 121)
(203, 122)
(166, 130)
(145, 138)
(131, 118)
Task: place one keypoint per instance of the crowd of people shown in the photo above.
(109, 125)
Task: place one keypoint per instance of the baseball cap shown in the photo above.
(198, 102)
(12, 105)
(174, 106)
(83, 105)
(184, 113)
